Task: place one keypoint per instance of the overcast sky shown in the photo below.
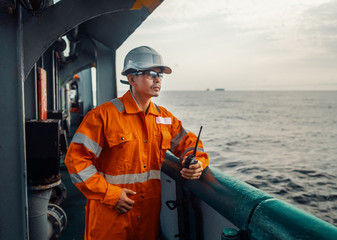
(242, 45)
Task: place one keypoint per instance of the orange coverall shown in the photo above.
(118, 146)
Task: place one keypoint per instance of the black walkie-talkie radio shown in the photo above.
(191, 159)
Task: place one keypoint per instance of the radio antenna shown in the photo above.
(196, 144)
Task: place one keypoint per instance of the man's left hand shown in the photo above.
(193, 172)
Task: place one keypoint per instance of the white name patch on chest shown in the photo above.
(161, 120)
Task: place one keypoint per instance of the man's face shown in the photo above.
(145, 84)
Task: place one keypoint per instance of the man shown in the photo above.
(117, 151)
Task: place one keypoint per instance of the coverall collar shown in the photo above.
(131, 106)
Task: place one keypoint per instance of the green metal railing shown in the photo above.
(258, 214)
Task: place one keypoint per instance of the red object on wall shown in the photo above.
(42, 93)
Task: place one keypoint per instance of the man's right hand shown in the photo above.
(124, 204)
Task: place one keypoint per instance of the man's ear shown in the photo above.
(131, 79)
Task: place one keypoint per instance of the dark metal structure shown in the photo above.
(32, 36)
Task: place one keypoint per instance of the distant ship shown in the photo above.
(219, 89)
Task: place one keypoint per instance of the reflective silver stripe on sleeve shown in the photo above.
(118, 104)
(88, 143)
(132, 178)
(177, 139)
(190, 149)
(83, 175)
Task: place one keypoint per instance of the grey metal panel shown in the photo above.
(87, 55)
(40, 32)
(85, 87)
(213, 222)
(168, 218)
(106, 74)
(30, 96)
(114, 28)
(13, 190)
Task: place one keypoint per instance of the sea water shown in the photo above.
(282, 142)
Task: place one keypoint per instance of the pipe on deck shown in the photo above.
(260, 215)
(46, 220)
(38, 213)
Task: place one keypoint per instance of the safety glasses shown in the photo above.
(149, 73)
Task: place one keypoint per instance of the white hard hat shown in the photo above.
(143, 58)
